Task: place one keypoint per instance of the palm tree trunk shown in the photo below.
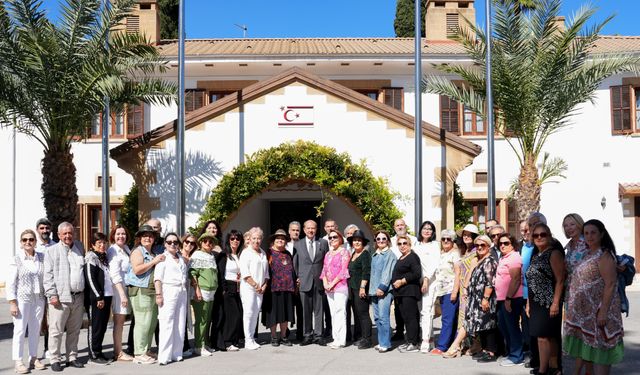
(528, 193)
(59, 186)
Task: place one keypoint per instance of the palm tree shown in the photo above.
(54, 77)
(541, 73)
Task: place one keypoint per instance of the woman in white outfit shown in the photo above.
(428, 250)
(254, 272)
(170, 281)
(26, 300)
(118, 258)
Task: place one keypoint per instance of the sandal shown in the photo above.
(452, 353)
(124, 357)
(20, 368)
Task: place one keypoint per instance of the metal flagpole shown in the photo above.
(180, 130)
(106, 123)
(491, 186)
(418, 115)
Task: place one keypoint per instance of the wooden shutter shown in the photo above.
(621, 109)
(449, 117)
(194, 99)
(453, 23)
(135, 120)
(393, 97)
(133, 24)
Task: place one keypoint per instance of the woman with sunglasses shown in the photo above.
(382, 263)
(189, 246)
(203, 271)
(509, 298)
(229, 269)
(359, 275)
(481, 318)
(25, 294)
(428, 250)
(100, 295)
(118, 257)
(334, 276)
(170, 280)
(445, 291)
(406, 281)
(545, 277)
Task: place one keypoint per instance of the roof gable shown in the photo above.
(285, 78)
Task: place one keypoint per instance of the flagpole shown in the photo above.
(180, 126)
(418, 115)
(491, 187)
(106, 123)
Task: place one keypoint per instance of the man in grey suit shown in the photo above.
(308, 263)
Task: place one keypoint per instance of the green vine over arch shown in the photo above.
(309, 161)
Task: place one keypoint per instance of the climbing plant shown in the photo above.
(307, 161)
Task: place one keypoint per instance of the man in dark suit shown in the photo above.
(308, 263)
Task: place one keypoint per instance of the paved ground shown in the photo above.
(314, 359)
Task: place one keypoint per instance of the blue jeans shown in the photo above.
(449, 320)
(382, 316)
(510, 327)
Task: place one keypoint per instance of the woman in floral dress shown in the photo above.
(593, 322)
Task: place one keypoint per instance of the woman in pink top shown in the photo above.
(334, 276)
(509, 297)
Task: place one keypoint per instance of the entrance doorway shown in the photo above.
(281, 213)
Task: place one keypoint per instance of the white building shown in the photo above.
(358, 97)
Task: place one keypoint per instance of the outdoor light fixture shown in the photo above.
(603, 203)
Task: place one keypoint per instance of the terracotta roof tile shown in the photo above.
(351, 47)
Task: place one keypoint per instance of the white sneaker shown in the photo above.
(251, 345)
(425, 347)
(203, 352)
(232, 348)
(47, 354)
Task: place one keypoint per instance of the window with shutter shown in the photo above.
(393, 97)
(449, 119)
(622, 98)
(135, 120)
(133, 24)
(194, 99)
(473, 123)
(453, 23)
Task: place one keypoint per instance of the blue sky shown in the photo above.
(341, 18)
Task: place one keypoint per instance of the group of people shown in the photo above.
(497, 295)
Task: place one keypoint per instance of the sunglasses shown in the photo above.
(540, 235)
(187, 242)
(234, 239)
(482, 245)
(404, 243)
(380, 239)
(495, 235)
(28, 240)
(171, 243)
(446, 240)
(333, 237)
(505, 243)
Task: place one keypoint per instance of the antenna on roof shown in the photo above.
(244, 29)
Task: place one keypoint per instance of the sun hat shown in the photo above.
(210, 236)
(279, 233)
(358, 234)
(146, 228)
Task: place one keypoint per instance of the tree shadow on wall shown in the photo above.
(202, 172)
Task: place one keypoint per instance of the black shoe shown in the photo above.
(487, 358)
(100, 361)
(307, 341)
(275, 341)
(397, 337)
(285, 341)
(534, 371)
(364, 344)
(321, 341)
(56, 366)
(75, 363)
(478, 355)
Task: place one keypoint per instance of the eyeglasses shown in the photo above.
(482, 245)
(404, 243)
(380, 239)
(187, 242)
(495, 235)
(505, 243)
(446, 240)
(333, 237)
(171, 243)
(540, 235)
(207, 240)
(28, 239)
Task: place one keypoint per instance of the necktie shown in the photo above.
(312, 251)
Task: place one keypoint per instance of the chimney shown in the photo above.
(445, 17)
(145, 19)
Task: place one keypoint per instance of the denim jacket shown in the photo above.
(146, 279)
(381, 268)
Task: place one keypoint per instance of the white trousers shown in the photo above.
(172, 320)
(426, 312)
(251, 303)
(29, 318)
(338, 308)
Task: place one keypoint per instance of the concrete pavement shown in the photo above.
(314, 359)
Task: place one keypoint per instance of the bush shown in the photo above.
(129, 212)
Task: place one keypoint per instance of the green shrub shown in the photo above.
(129, 212)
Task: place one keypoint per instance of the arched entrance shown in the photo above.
(301, 172)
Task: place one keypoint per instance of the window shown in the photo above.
(479, 216)
(393, 97)
(453, 23)
(89, 220)
(135, 120)
(453, 113)
(133, 24)
(116, 130)
(217, 95)
(194, 99)
(373, 93)
(480, 178)
(625, 101)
